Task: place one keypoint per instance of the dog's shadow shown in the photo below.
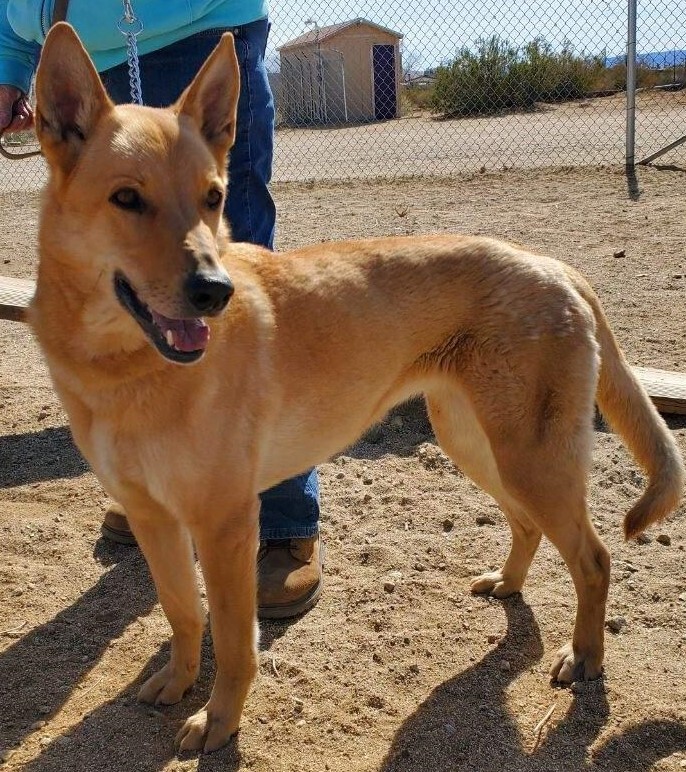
(398, 434)
(32, 457)
(465, 724)
(44, 668)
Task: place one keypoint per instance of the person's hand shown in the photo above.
(15, 111)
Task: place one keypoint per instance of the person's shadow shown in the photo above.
(465, 724)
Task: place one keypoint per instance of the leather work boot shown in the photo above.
(115, 526)
(289, 576)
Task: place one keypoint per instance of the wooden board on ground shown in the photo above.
(15, 296)
(667, 389)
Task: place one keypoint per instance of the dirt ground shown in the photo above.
(424, 678)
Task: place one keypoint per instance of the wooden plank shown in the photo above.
(666, 388)
(15, 296)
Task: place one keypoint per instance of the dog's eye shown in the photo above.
(214, 198)
(128, 199)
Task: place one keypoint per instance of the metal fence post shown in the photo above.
(631, 85)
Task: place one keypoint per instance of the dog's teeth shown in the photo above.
(170, 338)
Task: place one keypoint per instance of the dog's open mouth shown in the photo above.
(178, 340)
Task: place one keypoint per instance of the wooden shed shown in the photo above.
(342, 73)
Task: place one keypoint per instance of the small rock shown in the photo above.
(682, 597)
(5, 756)
(663, 538)
(493, 638)
(579, 687)
(301, 722)
(263, 719)
(504, 666)
(38, 724)
(484, 520)
(44, 709)
(396, 575)
(389, 586)
(616, 624)
(419, 567)
(448, 524)
(619, 253)
(298, 705)
(46, 740)
(643, 538)
(377, 657)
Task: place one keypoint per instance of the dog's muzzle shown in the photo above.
(182, 340)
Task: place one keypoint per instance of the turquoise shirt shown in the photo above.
(24, 24)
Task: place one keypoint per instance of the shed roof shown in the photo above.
(324, 33)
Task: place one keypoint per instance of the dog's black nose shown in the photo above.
(208, 294)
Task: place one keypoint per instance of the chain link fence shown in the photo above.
(380, 88)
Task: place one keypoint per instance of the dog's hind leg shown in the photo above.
(510, 578)
(547, 478)
(558, 507)
(169, 552)
(459, 433)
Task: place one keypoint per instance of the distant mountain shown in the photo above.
(657, 60)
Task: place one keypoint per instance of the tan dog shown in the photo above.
(136, 268)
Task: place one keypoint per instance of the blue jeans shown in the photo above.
(290, 509)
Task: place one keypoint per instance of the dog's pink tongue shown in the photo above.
(183, 334)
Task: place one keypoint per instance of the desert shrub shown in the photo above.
(498, 76)
(418, 97)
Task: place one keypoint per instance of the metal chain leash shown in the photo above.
(131, 27)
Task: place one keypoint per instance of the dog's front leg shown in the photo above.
(227, 551)
(168, 550)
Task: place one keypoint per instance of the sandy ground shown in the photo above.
(569, 134)
(425, 678)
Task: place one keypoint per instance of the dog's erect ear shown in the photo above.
(211, 100)
(70, 97)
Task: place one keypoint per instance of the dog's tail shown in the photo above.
(629, 410)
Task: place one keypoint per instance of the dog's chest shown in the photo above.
(138, 463)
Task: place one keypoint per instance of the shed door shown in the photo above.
(385, 97)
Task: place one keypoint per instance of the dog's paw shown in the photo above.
(569, 666)
(168, 685)
(203, 732)
(495, 584)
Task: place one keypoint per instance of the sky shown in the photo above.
(434, 31)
